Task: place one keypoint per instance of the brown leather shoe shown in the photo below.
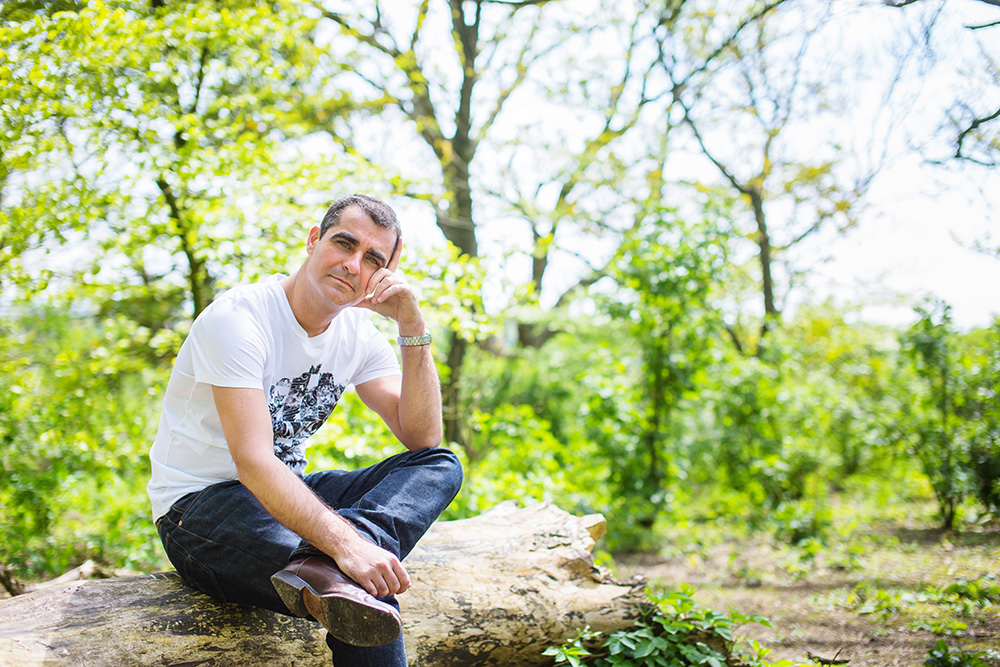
(315, 586)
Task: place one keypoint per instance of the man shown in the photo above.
(261, 370)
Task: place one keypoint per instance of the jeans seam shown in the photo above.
(187, 560)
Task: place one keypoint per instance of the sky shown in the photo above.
(919, 220)
(925, 210)
(916, 241)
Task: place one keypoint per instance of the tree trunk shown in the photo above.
(496, 589)
(454, 431)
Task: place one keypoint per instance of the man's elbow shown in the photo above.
(423, 440)
(253, 466)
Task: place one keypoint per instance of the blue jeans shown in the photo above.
(223, 542)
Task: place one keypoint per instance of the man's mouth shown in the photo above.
(344, 281)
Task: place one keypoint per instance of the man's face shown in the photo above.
(342, 262)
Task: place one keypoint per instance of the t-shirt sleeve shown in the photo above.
(381, 360)
(228, 347)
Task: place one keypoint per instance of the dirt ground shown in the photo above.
(875, 601)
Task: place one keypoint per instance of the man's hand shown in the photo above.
(390, 296)
(372, 567)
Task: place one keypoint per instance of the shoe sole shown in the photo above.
(289, 588)
(346, 620)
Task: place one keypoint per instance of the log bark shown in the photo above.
(495, 589)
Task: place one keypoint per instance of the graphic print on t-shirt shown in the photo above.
(299, 406)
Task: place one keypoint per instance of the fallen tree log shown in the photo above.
(495, 589)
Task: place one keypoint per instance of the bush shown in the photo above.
(943, 655)
(674, 633)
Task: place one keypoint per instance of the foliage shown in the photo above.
(76, 420)
(984, 591)
(956, 435)
(777, 435)
(156, 141)
(981, 415)
(675, 633)
(941, 610)
(667, 274)
(527, 440)
(943, 655)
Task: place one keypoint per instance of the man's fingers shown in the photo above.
(391, 583)
(371, 588)
(374, 584)
(384, 287)
(377, 284)
(397, 252)
(387, 291)
(403, 577)
(387, 577)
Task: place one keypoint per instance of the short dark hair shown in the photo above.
(380, 213)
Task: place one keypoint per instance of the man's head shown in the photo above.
(380, 213)
(358, 237)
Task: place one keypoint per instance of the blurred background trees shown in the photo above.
(611, 212)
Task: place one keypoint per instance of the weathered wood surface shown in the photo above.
(495, 589)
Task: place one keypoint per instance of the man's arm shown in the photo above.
(246, 423)
(410, 405)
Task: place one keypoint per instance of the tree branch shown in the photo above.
(975, 125)
(904, 3)
(419, 23)
(584, 283)
(370, 40)
(422, 110)
(517, 4)
(766, 9)
(608, 135)
(196, 265)
(522, 66)
(726, 173)
(202, 62)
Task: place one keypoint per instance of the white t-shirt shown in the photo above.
(249, 337)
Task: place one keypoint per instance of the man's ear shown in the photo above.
(312, 239)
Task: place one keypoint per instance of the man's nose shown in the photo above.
(353, 263)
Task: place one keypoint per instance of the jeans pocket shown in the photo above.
(190, 568)
(177, 511)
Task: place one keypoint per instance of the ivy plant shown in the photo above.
(674, 632)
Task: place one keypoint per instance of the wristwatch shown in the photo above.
(410, 341)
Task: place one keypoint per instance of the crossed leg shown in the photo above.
(223, 542)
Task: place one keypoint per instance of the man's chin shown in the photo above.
(340, 297)
(347, 290)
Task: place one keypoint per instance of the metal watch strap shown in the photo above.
(409, 341)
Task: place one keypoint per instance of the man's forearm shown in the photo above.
(246, 423)
(294, 505)
(420, 399)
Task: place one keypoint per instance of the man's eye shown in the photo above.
(375, 262)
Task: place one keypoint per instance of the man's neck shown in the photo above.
(312, 319)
